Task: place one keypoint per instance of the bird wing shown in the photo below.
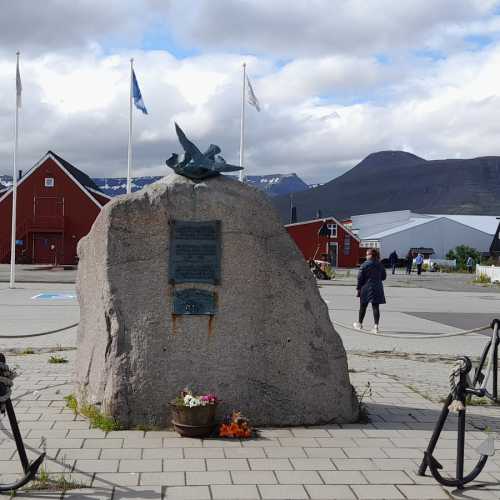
(187, 145)
(212, 150)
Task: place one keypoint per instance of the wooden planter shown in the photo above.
(198, 421)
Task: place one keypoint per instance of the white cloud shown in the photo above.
(328, 99)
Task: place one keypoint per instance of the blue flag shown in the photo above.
(136, 93)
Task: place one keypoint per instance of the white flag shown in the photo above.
(19, 87)
(252, 98)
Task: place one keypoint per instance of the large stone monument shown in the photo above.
(194, 282)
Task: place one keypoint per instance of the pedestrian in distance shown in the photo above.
(419, 261)
(393, 261)
(469, 264)
(409, 262)
(370, 288)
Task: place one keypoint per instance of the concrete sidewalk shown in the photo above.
(375, 460)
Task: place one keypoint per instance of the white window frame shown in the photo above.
(49, 182)
(332, 228)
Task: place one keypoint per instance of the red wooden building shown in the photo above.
(56, 206)
(338, 245)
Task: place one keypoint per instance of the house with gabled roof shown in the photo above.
(56, 206)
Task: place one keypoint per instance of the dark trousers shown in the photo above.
(376, 312)
(394, 268)
(419, 269)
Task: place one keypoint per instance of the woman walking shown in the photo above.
(370, 288)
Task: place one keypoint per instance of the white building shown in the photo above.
(404, 229)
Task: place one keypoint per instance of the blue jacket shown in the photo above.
(370, 287)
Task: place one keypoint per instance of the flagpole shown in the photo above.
(242, 129)
(129, 163)
(14, 190)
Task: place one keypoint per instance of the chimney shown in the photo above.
(19, 175)
(293, 215)
(319, 214)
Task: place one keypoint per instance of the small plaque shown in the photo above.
(195, 252)
(193, 301)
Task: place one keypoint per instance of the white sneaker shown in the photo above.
(357, 326)
(375, 329)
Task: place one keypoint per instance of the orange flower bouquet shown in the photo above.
(235, 426)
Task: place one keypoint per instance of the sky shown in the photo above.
(336, 81)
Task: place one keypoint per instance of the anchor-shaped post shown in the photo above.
(6, 406)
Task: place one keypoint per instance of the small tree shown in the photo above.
(461, 253)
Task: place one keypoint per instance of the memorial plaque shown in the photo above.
(194, 302)
(195, 252)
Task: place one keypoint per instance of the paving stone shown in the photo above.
(204, 453)
(325, 453)
(222, 443)
(298, 477)
(116, 479)
(302, 442)
(187, 493)
(128, 434)
(329, 492)
(171, 464)
(253, 477)
(79, 453)
(376, 491)
(354, 464)
(418, 492)
(127, 454)
(309, 432)
(161, 453)
(163, 478)
(271, 432)
(179, 442)
(342, 477)
(232, 492)
(270, 464)
(152, 465)
(86, 433)
(245, 452)
(387, 477)
(89, 493)
(336, 442)
(312, 464)
(143, 443)
(285, 452)
(364, 453)
(63, 443)
(138, 493)
(96, 465)
(227, 464)
(212, 477)
(279, 491)
(103, 443)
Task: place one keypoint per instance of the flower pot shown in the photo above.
(197, 421)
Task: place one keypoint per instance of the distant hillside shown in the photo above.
(277, 184)
(396, 180)
(113, 186)
(273, 185)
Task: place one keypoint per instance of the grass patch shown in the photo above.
(363, 414)
(482, 279)
(475, 401)
(61, 482)
(97, 419)
(28, 350)
(55, 359)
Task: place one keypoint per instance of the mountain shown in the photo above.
(397, 180)
(277, 184)
(113, 186)
(273, 185)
